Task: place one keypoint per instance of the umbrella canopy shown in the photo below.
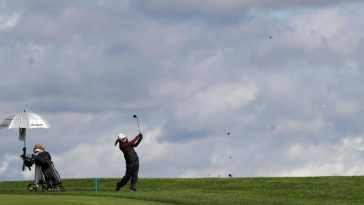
(24, 120)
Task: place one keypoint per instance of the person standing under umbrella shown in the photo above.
(131, 161)
(43, 159)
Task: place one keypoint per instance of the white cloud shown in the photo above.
(9, 21)
(152, 149)
(326, 160)
(329, 27)
(5, 163)
(309, 127)
(232, 8)
(192, 77)
(157, 158)
(89, 160)
(216, 101)
(212, 6)
(345, 108)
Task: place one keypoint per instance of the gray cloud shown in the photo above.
(87, 67)
(233, 8)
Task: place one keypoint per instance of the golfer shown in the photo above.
(131, 160)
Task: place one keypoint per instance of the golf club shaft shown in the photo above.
(138, 125)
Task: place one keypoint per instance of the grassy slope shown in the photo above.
(292, 190)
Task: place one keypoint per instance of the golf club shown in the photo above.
(135, 116)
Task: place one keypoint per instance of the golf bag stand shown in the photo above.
(39, 181)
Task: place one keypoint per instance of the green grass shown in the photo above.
(262, 190)
(15, 199)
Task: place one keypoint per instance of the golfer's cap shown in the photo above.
(121, 136)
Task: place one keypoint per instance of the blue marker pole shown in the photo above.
(96, 185)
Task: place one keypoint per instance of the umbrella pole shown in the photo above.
(22, 137)
(25, 147)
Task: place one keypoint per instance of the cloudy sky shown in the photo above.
(285, 79)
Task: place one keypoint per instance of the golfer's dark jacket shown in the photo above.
(128, 149)
(43, 159)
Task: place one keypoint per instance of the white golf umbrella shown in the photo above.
(23, 121)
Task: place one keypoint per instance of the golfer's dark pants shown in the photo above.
(132, 169)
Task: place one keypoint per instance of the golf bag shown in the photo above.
(51, 176)
(45, 174)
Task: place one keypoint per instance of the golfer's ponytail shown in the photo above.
(116, 142)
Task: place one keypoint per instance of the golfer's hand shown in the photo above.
(140, 135)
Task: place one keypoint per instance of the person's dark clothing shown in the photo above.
(128, 149)
(132, 163)
(131, 172)
(42, 159)
(51, 175)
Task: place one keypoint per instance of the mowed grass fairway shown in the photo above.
(16, 199)
(254, 191)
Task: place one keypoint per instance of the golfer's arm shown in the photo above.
(129, 144)
(139, 139)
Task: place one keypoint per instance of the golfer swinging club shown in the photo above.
(131, 160)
